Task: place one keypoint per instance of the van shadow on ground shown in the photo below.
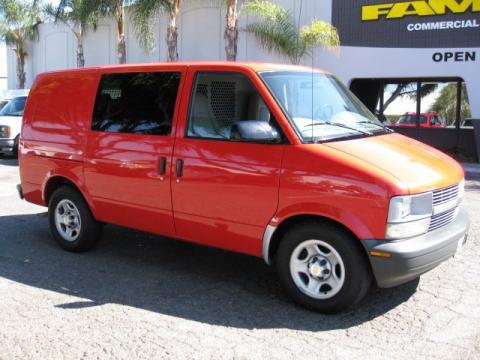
(169, 277)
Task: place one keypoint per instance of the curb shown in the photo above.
(471, 169)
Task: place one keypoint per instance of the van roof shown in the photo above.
(255, 66)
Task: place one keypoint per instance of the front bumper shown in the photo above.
(412, 257)
(7, 145)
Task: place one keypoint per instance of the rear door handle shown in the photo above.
(162, 165)
(179, 168)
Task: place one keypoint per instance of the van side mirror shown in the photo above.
(254, 130)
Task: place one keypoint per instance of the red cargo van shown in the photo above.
(275, 161)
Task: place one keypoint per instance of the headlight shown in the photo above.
(409, 216)
(4, 131)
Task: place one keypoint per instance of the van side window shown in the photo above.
(219, 101)
(137, 103)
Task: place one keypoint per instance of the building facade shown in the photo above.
(400, 57)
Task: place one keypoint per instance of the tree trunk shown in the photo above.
(172, 35)
(80, 56)
(21, 76)
(396, 93)
(121, 50)
(231, 31)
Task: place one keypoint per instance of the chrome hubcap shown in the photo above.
(67, 220)
(317, 269)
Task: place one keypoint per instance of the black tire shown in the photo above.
(15, 147)
(357, 275)
(89, 231)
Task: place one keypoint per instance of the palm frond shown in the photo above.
(320, 33)
(276, 29)
(19, 21)
(143, 16)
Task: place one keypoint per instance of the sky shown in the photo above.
(403, 105)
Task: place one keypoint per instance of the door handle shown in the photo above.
(179, 168)
(162, 165)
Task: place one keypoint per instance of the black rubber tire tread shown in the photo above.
(15, 146)
(90, 231)
(358, 277)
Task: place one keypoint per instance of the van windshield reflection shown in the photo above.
(320, 107)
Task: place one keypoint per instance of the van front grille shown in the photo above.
(439, 220)
(444, 195)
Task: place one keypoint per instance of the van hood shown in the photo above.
(416, 165)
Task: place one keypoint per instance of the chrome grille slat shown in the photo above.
(442, 196)
(445, 194)
(443, 219)
(445, 199)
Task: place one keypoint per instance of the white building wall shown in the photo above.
(3, 69)
(200, 26)
(201, 38)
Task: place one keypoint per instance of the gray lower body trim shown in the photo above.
(412, 257)
(267, 237)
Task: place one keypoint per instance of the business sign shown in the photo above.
(408, 24)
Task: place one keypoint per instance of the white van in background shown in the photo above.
(11, 123)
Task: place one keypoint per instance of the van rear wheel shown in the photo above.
(71, 222)
(322, 268)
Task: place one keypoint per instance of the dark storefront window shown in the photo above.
(435, 111)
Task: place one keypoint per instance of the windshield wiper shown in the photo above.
(340, 125)
(379, 125)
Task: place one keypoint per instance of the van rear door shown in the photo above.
(130, 146)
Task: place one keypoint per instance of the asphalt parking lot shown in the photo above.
(141, 296)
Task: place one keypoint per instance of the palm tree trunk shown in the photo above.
(231, 31)
(80, 57)
(21, 76)
(172, 33)
(79, 37)
(172, 36)
(121, 50)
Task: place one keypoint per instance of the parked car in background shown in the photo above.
(10, 125)
(3, 103)
(275, 161)
(427, 120)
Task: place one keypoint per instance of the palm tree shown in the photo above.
(19, 22)
(78, 16)
(231, 29)
(145, 10)
(115, 9)
(278, 32)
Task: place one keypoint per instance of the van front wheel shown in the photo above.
(71, 222)
(322, 268)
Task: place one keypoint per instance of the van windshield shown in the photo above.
(320, 107)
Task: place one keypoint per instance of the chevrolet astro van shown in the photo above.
(275, 161)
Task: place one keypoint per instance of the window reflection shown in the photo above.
(137, 103)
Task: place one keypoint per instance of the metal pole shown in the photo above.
(380, 110)
(476, 132)
(458, 112)
(419, 107)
